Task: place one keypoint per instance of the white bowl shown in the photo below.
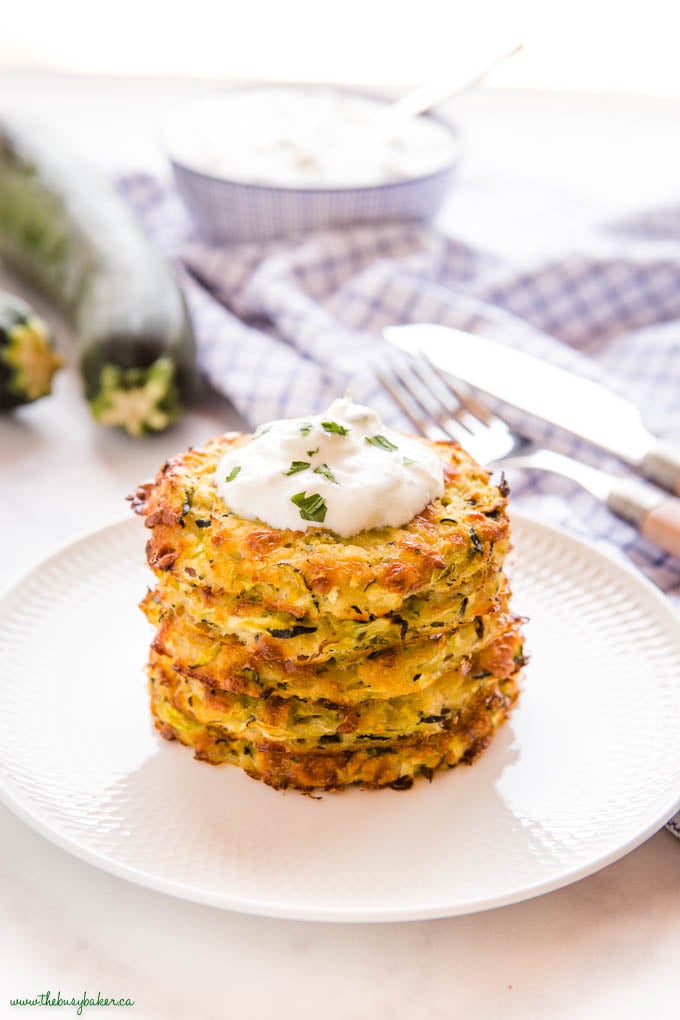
(227, 209)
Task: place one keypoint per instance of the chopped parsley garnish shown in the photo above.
(312, 507)
(333, 428)
(232, 474)
(306, 428)
(310, 453)
(381, 442)
(323, 469)
(297, 465)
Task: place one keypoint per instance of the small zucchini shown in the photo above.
(65, 229)
(28, 359)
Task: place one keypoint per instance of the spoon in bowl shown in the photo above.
(437, 91)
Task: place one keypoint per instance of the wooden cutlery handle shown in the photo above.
(655, 515)
(662, 526)
(662, 466)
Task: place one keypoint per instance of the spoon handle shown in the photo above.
(437, 91)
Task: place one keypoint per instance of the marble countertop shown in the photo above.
(605, 946)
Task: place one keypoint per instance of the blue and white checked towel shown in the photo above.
(283, 328)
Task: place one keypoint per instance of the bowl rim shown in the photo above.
(449, 126)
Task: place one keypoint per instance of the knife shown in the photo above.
(570, 402)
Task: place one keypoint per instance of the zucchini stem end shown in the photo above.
(138, 400)
(28, 359)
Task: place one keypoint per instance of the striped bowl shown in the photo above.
(231, 211)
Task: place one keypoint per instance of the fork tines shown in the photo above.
(441, 407)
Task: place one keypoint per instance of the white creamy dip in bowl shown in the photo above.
(266, 161)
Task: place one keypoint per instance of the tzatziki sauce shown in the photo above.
(304, 137)
(342, 470)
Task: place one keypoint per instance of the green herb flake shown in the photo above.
(476, 543)
(291, 632)
(407, 460)
(333, 428)
(297, 465)
(310, 453)
(323, 469)
(306, 428)
(188, 500)
(312, 507)
(186, 506)
(402, 783)
(232, 474)
(381, 442)
(439, 718)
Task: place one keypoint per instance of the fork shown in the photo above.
(441, 407)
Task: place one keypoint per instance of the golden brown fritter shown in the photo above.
(201, 543)
(331, 766)
(228, 665)
(423, 710)
(317, 641)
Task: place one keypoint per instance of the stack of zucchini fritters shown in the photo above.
(315, 662)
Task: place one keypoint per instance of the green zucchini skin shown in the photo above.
(28, 359)
(64, 228)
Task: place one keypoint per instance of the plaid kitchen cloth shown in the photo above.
(285, 327)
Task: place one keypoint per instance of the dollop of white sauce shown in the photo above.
(305, 137)
(342, 470)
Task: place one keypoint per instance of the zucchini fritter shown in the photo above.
(332, 765)
(226, 664)
(318, 641)
(272, 716)
(196, 539)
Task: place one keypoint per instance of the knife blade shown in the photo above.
(577, 405)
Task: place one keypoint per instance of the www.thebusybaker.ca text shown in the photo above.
(47, 999)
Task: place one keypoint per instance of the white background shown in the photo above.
(590, 45)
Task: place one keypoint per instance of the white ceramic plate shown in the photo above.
(586, 769)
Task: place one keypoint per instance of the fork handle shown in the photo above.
(655, 515)
(662, 465)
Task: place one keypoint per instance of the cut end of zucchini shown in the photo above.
(29, 359)
(138, 400)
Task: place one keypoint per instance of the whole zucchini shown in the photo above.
(28, 359)
(64, 227)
